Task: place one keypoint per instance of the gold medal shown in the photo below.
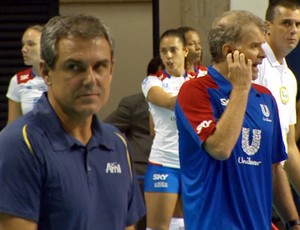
(284, 95)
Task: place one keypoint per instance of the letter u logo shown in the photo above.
(256, 139)
(265, 110)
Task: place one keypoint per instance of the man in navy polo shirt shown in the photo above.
(60, 168)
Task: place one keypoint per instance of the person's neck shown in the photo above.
(175, 73)
(37, 70)
(77, 125)
(222, 68)
(81, 130)
(279, 54)
(190, 67)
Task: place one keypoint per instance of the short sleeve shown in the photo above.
(149, 82)
(13, 90)
(19, 176)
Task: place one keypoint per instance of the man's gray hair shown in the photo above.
(81, 25)
(229, 28)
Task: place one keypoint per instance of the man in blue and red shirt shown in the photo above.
(230, 139)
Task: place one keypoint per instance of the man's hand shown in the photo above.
(240, 70)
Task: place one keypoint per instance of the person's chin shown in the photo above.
(27, 62)
(254, 76)
(87, 111)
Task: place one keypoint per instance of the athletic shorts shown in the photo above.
(162, 179)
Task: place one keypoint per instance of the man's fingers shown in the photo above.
(249, 63)
(229, 58)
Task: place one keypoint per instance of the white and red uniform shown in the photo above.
(26, 88)
(200, 71)
(164, 149)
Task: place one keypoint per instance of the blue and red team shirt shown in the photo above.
(235, 193)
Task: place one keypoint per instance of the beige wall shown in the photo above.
(257, 7)
(131, 26)
(200, 14)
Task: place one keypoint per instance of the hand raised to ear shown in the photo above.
(240, 70)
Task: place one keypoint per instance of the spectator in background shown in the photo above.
(162, 180)
(283, 32)
(132, 118)
(194, 57)
(230, 142)
(27, 86)
(60, 168)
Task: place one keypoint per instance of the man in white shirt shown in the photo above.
(283, 31)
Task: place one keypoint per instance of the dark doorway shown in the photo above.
(15, 17)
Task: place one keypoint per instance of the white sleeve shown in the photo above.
(293, 115)
(13, 90)
(149, 82)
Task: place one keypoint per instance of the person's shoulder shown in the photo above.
(112, 135)
(201, 67)
(261, 89)
(161, 75)
(196, 80)
(108, 128)
(202, 71)
(17, 130)
(134, 98)
(24, 76)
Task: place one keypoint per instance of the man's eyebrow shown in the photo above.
(73, 60)
(290, 20)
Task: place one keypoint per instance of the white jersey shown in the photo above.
(281, 81)
(164, 150)
(26, 88)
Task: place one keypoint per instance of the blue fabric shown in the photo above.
(159, 178)
(64, 184)
(236, 193)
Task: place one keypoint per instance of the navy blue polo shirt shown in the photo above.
(49, 177)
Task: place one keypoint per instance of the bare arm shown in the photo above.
(292, 165)
(8, 222)
(159, 97)
(223, 140)
(220, 144)
(14, 110)
(151, 125)
(282, 196)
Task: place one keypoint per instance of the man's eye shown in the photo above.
(101, 67)
(173, 50)
(163, 51)
(287, 23)
(74, 67)
(29, 44)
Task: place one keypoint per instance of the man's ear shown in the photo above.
(113, 64)
(226, 49)
(45, 72)
(186, 51)
(267, 26)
